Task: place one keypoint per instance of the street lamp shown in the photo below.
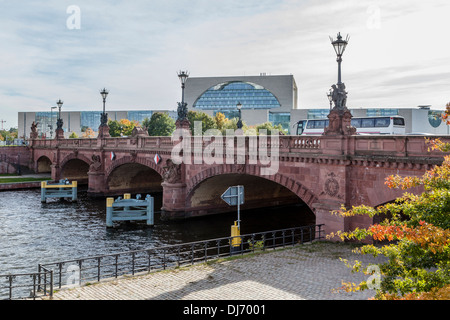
(330, 97)
(59, 122)
(339, 46)
(182, 106)
(104, 116)
(239, 123)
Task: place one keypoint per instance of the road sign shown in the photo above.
(234, 195)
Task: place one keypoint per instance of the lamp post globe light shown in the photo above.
(103, 130)
(330, 98)
(338, 94)
(104, 116)
(339, 116)
(59, 123)
(339, 46)
(182, 111)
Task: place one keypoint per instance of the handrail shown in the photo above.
(96, 268)
(41, 280)
(113, 265)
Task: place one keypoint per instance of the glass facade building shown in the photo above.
(90, 119)
(283, 118)
(227, 95)
(139, 116)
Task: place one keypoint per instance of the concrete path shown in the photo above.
(308, 272)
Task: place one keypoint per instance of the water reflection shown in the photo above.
(32, 232)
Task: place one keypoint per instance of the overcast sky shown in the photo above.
(398, 54)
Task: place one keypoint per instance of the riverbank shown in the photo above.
(16, 182)
(305, 272)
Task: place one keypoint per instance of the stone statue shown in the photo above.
(139, 131)
(96, 163)
(182, 111)
(172, 172)
(34, 133)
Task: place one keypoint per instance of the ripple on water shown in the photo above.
(32, 232)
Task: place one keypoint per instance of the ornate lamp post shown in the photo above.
(182, 121)
(339, 116)
(330, 98)
(104, 117)
(103, 130)
(239, 123)
(59, 123)
(339, 46)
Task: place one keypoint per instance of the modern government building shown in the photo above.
(263, 98)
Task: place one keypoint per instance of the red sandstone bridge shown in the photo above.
(322, 172)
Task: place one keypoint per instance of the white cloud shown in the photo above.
(397, 55)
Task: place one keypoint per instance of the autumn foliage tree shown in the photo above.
(416, 237)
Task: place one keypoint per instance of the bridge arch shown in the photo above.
(43, 165)
(282, 187)
(133, 175)
(75, 167)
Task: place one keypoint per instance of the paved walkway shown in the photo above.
(308, 272)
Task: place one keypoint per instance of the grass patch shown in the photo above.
(13, 180)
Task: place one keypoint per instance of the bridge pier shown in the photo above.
(332, 222)
(96, 183)
(174, 200)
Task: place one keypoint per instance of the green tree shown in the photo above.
(160, 124)
(88, 133)
(206, 120)
(418, 247)
(120, 128)
(269, 127)
(73, 135)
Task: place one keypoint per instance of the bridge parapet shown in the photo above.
(353, 146)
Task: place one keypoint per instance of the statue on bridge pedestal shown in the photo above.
(34, 132)
(172, 173)
(339, 117)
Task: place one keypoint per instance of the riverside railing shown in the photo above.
(26, 285)
(96, 268)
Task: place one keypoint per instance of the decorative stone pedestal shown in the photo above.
(103, 132)
(59, 134)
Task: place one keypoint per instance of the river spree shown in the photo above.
(32, 232)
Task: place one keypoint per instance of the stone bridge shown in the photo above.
(321, 172)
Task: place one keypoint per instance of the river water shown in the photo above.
(32, 232)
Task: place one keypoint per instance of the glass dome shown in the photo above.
(227, 95)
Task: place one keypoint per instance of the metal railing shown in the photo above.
(93, 269)
(19, 286)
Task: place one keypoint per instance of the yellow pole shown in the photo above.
(127, 196)
(235, 234)
(109, 202)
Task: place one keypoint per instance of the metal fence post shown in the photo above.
(150, 210)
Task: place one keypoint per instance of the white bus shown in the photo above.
(363, 125)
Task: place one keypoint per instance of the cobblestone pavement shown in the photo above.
(308, 272)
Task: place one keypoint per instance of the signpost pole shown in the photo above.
(239, 206)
